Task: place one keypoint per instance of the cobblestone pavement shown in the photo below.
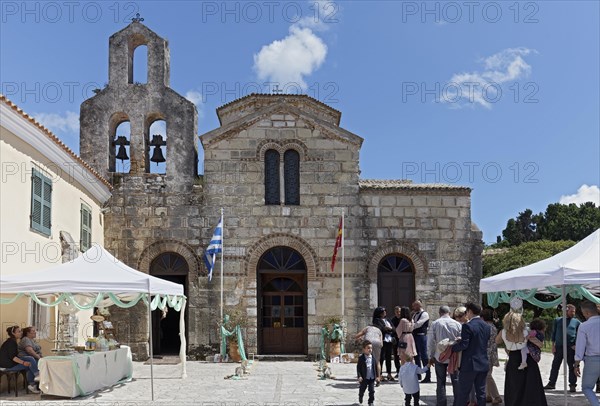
(268, 383)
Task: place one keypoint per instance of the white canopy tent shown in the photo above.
(574, 271)
(103, 281)
(578, 265)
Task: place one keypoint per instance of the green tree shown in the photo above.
(569, 222)
(524, 254)
(559, 222)
(523, 228)
(518, 256)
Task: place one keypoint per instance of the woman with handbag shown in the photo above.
(406, 342)
(387, 331)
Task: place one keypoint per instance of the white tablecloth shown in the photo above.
(81, 374)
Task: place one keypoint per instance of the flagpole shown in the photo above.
(222, 249)
(343, 310)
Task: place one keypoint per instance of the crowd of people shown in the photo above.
(463, 345)
(21, 352)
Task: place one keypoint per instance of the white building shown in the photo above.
(50, 209)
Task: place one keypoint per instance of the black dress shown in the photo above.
(523, 387)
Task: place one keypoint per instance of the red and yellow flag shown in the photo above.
(338, 244)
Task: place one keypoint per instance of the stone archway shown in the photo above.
(284, 283)
(154, 250)
(399, 281)
(176, 262)
(277, 240)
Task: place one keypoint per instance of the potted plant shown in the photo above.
(334, 333)
(233, 317)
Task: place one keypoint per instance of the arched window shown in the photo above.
(138, 68)
(281, 259)
(120, 153)
(156, 150)
(169, 263)
(272, 193)
(291, 170)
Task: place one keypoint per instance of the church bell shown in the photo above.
(121, 141)
(157, 155)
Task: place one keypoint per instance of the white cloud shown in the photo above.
(321, 13)
(196, 98)
(289, 60)
(69, 122)
(584, 194)
(484, 87)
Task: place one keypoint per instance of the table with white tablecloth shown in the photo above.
(82, 374)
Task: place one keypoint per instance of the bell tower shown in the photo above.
(141, 135)
(117, 133)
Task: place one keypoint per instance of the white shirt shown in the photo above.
(419, 318)
(444, 327)
(370, 372)
(408, 377)
(588, 339)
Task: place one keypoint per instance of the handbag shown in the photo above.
(534, 351)
(402, 345)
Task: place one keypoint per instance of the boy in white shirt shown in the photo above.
(409, 380)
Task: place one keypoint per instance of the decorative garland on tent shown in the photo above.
(158, 302)
(575, 291)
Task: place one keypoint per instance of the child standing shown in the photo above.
(367, 370)
(409, 380)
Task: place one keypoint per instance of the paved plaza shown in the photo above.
(268, 383)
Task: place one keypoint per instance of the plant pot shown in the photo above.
(234, 352)
(334, 349)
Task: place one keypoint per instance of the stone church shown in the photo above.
(283, 171)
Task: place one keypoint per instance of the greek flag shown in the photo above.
(214, 247)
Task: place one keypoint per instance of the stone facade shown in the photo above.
(429, 226)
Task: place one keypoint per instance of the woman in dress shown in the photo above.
(491, 388)
(522, 387)
(406, 342)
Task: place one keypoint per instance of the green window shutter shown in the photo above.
(86, 228)
(41, 203)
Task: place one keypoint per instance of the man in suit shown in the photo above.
(474, 365)
(368, 372)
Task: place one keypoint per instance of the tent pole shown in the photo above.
(183, 346)
(564, 334)
(151, 347)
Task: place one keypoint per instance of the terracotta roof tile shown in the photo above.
(53, 137)
(265, 95)
(404, 184)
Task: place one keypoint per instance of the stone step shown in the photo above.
(281, 357)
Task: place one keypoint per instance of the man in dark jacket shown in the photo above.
(474, 364)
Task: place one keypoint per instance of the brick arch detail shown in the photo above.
(407, 249)
(281, 240)
(155, 249)
(281, 147)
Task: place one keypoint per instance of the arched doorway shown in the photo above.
(395, 282)
(165, 326)
(281, 281)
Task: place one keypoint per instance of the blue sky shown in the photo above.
(502, 97)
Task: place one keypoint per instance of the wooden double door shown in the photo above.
(282, 303)
(395, 283)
